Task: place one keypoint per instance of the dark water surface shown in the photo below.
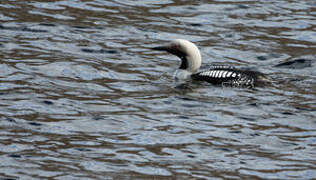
(82, 96)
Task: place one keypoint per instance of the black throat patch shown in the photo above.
(184, 63)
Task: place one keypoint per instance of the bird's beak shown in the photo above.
(161, 48)
(170, 49)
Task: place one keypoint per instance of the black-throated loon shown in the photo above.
(219, 75)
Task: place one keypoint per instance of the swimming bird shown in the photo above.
(218, 75)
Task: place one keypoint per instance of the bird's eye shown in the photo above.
(176, 46)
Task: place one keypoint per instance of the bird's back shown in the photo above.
(229, 76)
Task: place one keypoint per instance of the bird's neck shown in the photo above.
(184, 63)
(191, 63)
(182, 74)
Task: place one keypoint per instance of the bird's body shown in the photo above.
(218, 75)
(228, 77)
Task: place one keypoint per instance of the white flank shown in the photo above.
(220, 74)
(212, 73)
(224, 74)
(229, 73)
(217, 74)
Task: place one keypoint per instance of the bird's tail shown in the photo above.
(263, 80)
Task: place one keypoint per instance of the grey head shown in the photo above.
(187, 51)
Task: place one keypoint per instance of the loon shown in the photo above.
(217, 75)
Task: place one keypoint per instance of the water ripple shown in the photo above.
(84, 97)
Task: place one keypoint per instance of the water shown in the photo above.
(84, 97)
